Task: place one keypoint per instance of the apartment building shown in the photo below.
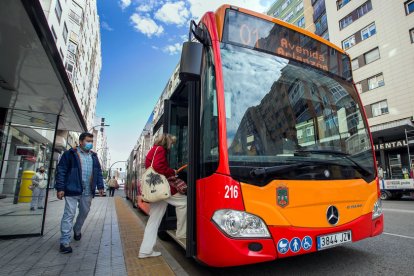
(76, 30)
(379, 37)
(297, 12)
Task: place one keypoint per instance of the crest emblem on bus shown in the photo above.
(282, 196)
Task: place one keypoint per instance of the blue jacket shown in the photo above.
(69, 174)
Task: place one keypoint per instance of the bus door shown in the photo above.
(180, 120)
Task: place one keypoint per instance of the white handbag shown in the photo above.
(155, 186)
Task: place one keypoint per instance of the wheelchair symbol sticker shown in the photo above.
(295, 245)
(283, 246)
(307, 243)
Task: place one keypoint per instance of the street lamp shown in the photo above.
(114, 164)
(97, 126)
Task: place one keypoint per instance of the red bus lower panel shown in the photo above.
(216, 249)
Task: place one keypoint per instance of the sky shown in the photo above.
(141, 45)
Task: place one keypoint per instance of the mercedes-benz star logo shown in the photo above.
(332, 215)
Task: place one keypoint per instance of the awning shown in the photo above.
(392, 130)
(32, 75)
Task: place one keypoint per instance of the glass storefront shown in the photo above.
(26, 145)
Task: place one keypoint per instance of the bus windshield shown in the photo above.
(280, 112)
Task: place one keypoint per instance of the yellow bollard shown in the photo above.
(25, 194)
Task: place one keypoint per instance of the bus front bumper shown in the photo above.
(217, 249)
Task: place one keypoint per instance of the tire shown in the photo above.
(385, 195)
(162, 235)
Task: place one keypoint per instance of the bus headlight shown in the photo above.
(239, 224)
(377, 211)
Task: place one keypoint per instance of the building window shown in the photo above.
(409, 7)
(301, 22)
(321, 25)
(54, 34)
(65, 32)
(355, 64)
(379, 108)
(72, 47)
(345, 21)
(299, 7)
(58, 10)
(368, 31)
(376, 81)
(412, 35)
(276, 13)
(288, 16)
(349, 42)
(358, 87)
(341, 3)
(372, 56)
(364, 9)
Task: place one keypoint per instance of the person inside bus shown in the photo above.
(157, 209)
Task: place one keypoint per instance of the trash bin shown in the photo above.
(25, 194)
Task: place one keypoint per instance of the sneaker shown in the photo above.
(77, 237)
(65, 248)
(153, 254)
(32, 208)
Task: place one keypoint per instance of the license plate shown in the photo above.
(332, 240)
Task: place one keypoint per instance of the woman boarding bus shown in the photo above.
(279, 153)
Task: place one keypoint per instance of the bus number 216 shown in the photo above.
(231, 191)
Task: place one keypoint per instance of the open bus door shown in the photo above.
(181, 114)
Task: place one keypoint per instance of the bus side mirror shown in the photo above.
(191, 60)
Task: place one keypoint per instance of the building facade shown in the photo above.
(297, 12)
(379, 37)
(75, 27)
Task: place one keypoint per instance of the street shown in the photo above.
(392, 253)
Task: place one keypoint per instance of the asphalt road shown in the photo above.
(392, 253)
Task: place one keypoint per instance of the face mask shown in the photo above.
(88, 146)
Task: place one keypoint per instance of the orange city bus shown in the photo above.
(280, 157)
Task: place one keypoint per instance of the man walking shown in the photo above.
(77, 176)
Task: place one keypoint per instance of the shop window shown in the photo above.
(368, 31)
(376, 81)
(409, 7)
(349, 42)
(58, 10)
(372, 56)
(379, 108)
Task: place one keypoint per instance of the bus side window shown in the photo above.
(208, 118)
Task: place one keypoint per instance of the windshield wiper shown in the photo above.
(345, 155)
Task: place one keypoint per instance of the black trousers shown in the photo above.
(111, 191)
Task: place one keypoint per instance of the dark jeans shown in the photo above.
(111, 191)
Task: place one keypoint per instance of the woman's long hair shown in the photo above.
(165, 140)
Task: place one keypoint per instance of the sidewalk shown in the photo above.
(106, 248)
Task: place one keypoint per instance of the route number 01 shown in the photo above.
(231, 191)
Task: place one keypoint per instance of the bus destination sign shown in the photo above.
(249, 31)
